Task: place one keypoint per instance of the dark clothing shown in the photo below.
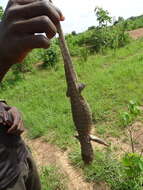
(13, 158)
(28, 178)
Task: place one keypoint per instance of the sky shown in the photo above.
(80, 15)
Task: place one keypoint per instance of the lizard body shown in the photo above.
(81, 112)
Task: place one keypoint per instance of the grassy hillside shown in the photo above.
(112, 80)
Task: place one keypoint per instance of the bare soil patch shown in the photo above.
(45, 154)
(135, 34)
(123, 144)
(49, 154)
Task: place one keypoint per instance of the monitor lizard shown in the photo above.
(81, 112)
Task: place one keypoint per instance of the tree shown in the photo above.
(74, 33)
(102, 16)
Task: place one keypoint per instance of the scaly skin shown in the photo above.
(81, 113)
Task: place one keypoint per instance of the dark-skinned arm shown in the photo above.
(22, 19)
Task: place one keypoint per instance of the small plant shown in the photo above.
(127, 118)
(124, 174)
(134, 109)
(133, 171)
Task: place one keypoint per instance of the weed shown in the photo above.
(127, 118)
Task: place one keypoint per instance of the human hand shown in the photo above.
(22, 19)
(10, 117)
(17, 126)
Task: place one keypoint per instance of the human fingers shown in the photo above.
(35, 9)
(14, 2)
(19, 129)
(16, 118)
(34, 25)
(3, 117)
(34, 41)
(29, 42)
(14, 126)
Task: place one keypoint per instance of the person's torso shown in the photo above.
(12, 153)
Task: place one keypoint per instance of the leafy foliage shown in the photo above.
(98, 39)
(123, 174)
(134, 22)
(19, 70)
(133, 171)
(1, 12)
(133, 164)
(102, 16)
(127, 118)
(50, 56)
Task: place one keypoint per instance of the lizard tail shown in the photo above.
(96, 139)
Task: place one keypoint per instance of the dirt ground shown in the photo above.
(47, 154)
(135, 34)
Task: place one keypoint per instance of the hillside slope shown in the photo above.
(112, 80)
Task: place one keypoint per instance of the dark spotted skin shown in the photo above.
(81, 112)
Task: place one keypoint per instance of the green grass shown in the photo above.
(105, 168)
(52, 179)
(123, 174)
(112, 80)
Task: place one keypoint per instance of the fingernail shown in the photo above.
(62, 18)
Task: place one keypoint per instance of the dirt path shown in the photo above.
(45, 154)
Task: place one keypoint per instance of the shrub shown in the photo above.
(99, 39)
(133, 172)
(50, 56)
(127, 118)
(72, 41)
(18, 70)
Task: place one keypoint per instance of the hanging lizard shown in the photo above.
(81, 112)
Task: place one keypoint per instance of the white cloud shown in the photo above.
(80, 13)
